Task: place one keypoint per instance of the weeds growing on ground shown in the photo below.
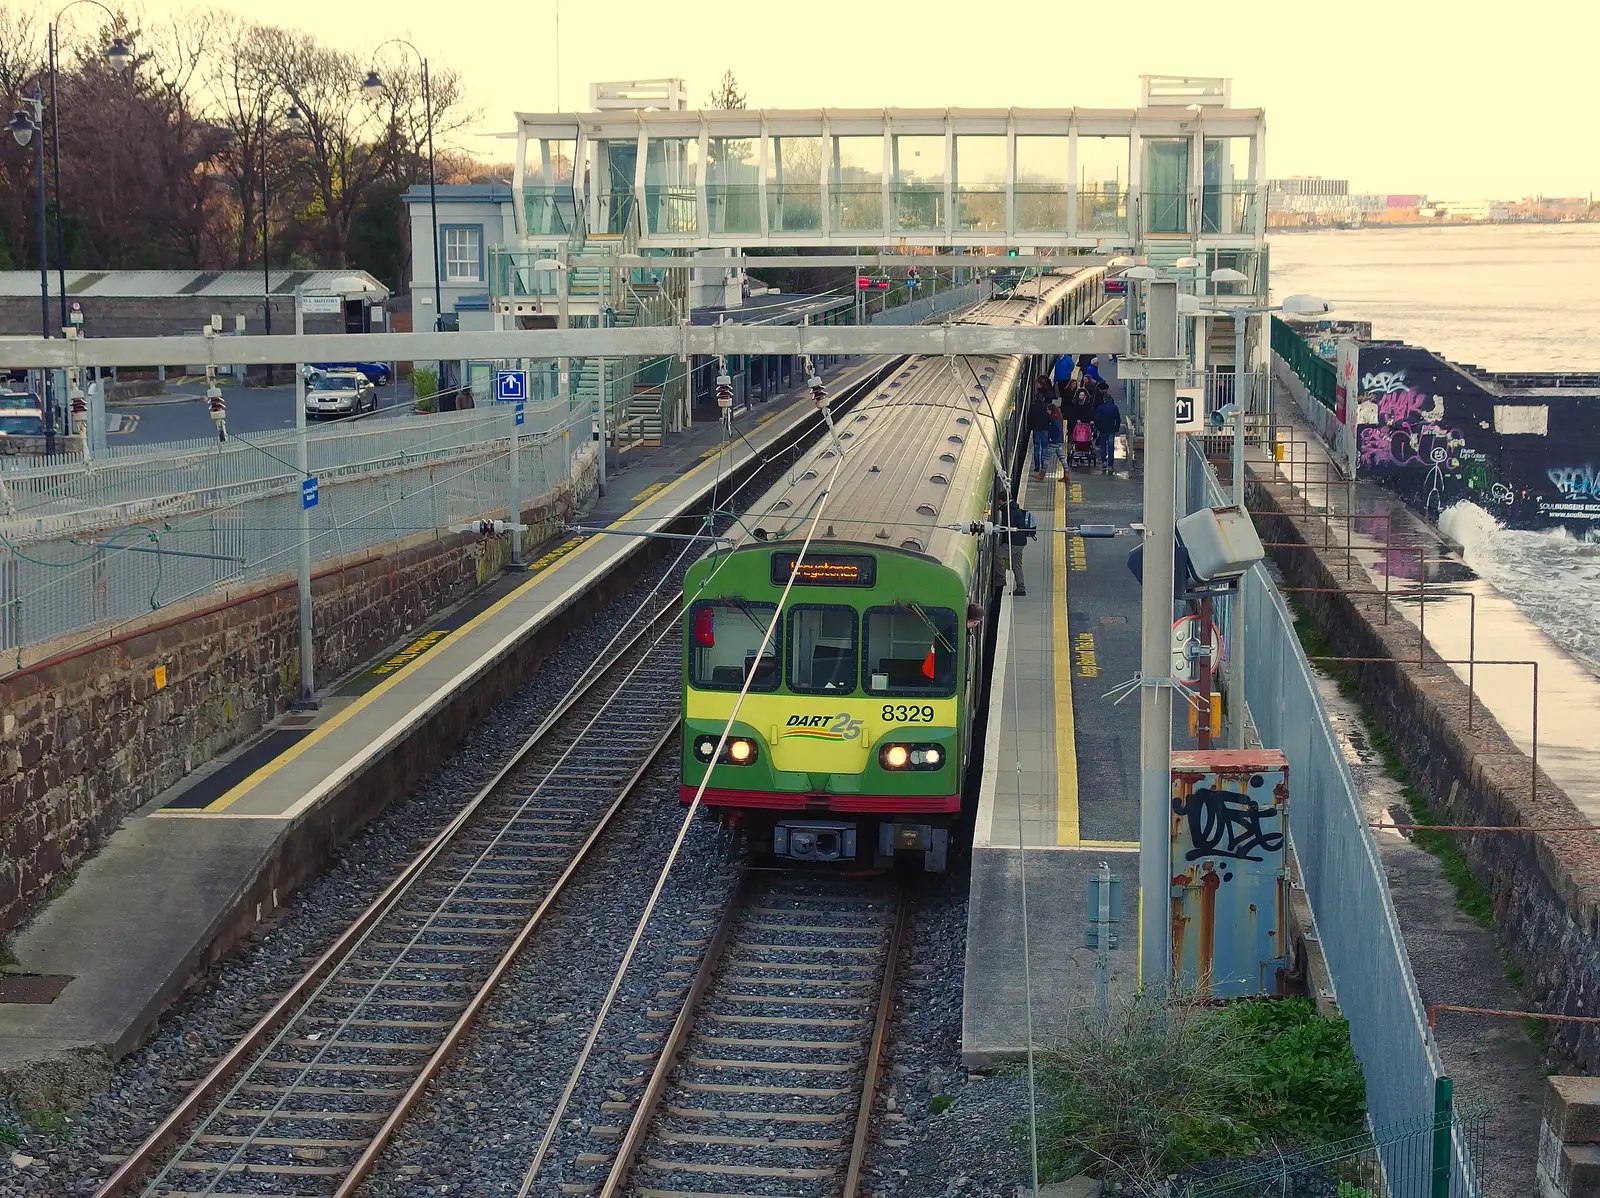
(1157, 1086)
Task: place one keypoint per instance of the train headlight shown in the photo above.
(911, 757)
(739, 750)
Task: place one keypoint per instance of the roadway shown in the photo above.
(181, 414)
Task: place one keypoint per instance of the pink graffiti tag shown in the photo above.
(1399, 406)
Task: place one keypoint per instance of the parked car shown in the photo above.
(12, 401)
(22, 422)
(340, 393)
(376, 372)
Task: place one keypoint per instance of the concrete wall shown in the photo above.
(1435, 434)
(87, 737)
(1546, 887)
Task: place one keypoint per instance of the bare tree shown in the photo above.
(21, 61)
(727, 94)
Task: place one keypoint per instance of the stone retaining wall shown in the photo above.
(1545, 886)
(90, 735)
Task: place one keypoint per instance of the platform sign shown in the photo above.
(1230, 836)
(510, 386)
(1191, 409)
(522, 413)
(308, 493)
(1186, 649)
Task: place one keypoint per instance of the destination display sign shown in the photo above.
(827, 570)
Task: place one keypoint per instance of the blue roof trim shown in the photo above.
(477, 302)
(461, 193)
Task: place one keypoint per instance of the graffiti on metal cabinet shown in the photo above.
(1225, 823)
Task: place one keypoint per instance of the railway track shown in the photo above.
(764, 1087)
(304, 1104)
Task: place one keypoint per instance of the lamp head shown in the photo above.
(119, 55)
(22, 127)
(294, 116)
(1141, 272)
(1226, 274)
(372, 82)
(1306, 305)
(1187, 262)
(1122, 260)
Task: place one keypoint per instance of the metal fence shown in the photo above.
(1313, 370)
(1344, 877)
(1403, 1160)
(143, 528)
(919, 310)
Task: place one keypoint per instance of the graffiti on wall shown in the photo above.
(1402, 427)
(1576, 482)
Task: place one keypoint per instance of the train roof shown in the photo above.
(919, 453)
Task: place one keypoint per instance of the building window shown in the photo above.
(463, 254)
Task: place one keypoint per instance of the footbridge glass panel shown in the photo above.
(1102, 184)
(549, 208)
(733, 184)
(611, 167)
(1042, 184)
(1227, 198)
(857, 185)
(980, 183)
(918, 182)
(1166, 185)
(670, 167)
(794, 184)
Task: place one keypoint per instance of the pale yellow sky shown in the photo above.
(1458, 100)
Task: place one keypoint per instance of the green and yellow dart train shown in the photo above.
(856, 732)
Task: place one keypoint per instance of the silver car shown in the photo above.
(340, 393)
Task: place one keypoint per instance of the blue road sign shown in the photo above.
(308, 493)
(510, 386)
(522, 413)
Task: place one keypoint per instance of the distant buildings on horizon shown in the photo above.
(1310, 201)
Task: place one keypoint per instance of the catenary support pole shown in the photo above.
(1155, 637)
(302, 461)
(514, 507)
(600, 419)
(1236, 650)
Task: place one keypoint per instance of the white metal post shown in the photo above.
(302, 460)
(514, 515)
(1155, 639)
(1236, 651)
(600, 421)
(563, 321)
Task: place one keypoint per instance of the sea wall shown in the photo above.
(1436, 433)
(1545, 886)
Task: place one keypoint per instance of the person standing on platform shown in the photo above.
(1058, 437)
(1039, 423)
(1065, 366)
(1022, 528)
(1107, 424)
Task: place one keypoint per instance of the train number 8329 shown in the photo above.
(907, 713)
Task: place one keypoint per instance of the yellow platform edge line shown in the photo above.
(237, 792)
(1068, 829)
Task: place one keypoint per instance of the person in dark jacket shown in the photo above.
(1024, 529)
(1039, 424)
(1107, 424)
(1065, 367)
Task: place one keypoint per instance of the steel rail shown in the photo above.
(146, 1155)
(880, 1027)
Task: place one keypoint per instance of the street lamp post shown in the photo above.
(293, 117)
(120, 57)
(25, 126)
(372, 82)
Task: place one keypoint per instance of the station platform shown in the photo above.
(186, 876)
(1059, 791)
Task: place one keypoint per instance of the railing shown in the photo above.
(1225, 210)
(1102, 209)
(1344, 877)
(733, 207)
(1318, 375)
(918, 208)
(1042, 211)
(1165, 211)
(160, 524)
(856, 208)
(551, 211)
(794, 208)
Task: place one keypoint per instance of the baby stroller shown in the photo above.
(1081, 452)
